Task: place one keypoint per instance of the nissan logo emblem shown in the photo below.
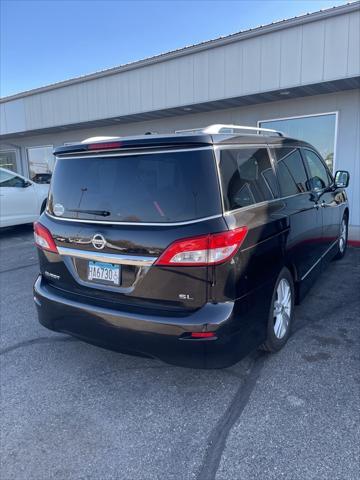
(98, 241)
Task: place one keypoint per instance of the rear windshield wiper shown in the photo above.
(101, 213)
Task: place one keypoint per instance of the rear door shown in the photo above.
(112, 217)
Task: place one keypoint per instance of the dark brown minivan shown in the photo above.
(192, 248)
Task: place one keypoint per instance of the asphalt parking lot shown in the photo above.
(75, 411)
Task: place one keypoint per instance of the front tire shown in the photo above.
(281, 312)
(342, 243)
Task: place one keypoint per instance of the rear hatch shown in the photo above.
(112, 214)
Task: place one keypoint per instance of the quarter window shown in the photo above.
(319, 176)
(291, 171)
(247, 177)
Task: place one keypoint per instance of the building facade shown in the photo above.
(301, 76)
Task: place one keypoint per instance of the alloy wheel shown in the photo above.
(343, 235)
(282, 308)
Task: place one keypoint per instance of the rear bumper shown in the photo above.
(149, 335)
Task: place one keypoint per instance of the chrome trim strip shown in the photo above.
(139, 261)
(319, 260)
(142, 224)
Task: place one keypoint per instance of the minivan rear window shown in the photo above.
(154, 187)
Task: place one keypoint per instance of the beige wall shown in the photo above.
(347, 155)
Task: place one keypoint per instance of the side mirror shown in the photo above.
(342, 178)
(26, 184)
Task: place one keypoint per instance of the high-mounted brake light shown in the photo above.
(104, 145)
(43, 238)
(202, 335)
(209, 249)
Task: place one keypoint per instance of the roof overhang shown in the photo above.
(258, 98)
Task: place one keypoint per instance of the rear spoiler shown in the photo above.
(143, 142)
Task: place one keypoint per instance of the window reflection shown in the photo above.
(247, 177)
(318, 130)
(41, 163)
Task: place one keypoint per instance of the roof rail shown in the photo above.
(223, 128)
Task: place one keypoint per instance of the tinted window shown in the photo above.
(159, 187)
(8, 179)
(247, 177)
(319, 177)
(291, 171)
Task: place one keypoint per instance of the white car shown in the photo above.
(21, 200)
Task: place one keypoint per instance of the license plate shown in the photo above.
(104, 273)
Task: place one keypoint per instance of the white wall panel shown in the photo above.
(251, 65)
(172, 83)
(15, 119)
(290, 57)
(233, 69)
(336, 43)
(216, 77)
(270, 61)
(312, 58)
(134, 92)
(186, 79)
(146, 88)
(201, 76)
(354, 44)
(158, 86)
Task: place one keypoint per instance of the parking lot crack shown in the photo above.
(217, 440)
(14, 269)
(33, 341)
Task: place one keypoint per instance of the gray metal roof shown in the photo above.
(217, 42)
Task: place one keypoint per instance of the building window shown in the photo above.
(41, 163)
(8, 160)
(318, 130)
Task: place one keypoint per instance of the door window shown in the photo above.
(247, 177)
(319, 176)
(291, 171)
(8, 179)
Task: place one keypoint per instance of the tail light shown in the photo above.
(43, 238)
(209, 249)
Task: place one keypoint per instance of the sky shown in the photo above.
(46, 41)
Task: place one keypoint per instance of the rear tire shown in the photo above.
(281, 312)
(343, 237)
